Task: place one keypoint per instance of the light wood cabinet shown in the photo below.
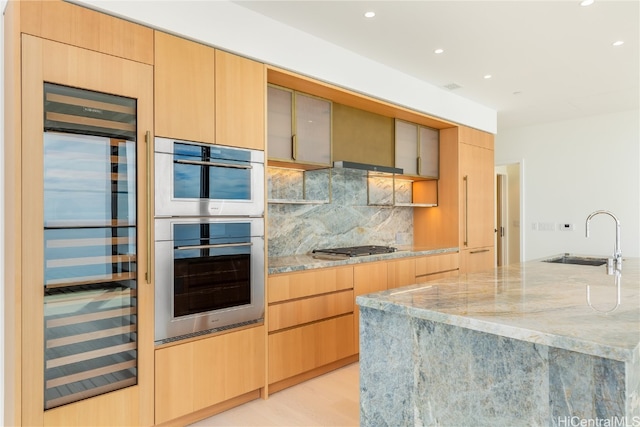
(464, 216)
(131, 401)
(476, 197)
(240, 86)
(434, 264)
(298, 350)
(311, 323)
(82, 27)
(202, 373)
(477, 259)
(299, 128)
(297, 312)
(401, 272)
(416, 149)
(207, 95)
(367, 278)
(288, 286)
(184, 89)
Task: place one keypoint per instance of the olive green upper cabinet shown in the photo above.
(417, 149)
(299, 127)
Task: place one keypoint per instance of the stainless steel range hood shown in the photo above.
(367, 167)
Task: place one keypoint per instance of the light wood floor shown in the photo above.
(329, 400)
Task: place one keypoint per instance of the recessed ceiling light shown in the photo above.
(618, 43)
(369, 14)
(586, 2)
(438, 51)
(487, 76)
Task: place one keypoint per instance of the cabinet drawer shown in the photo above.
(302, 349)
(477, 259)
(436, 263)
(436, 276)
(286, 286)
(297, 312)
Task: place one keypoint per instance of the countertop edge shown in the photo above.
(508, 331)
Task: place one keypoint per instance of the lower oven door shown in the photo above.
(209, 273)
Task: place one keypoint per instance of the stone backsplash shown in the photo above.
(330, 208)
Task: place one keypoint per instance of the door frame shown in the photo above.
(522, 204)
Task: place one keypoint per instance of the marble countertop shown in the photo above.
(287, 264)
(535, 301)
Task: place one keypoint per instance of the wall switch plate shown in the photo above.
(546, 226)
(565, 226)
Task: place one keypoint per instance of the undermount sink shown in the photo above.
(579, 260)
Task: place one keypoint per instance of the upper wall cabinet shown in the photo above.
(184, 89)
(207, 95)
(416, 149)
(362, 136)
(79, 26)
(299, 127)
(240, 91)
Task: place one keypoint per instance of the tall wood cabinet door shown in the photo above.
(241, 86)
(184, 89)
(228, 366)
(367, 278)
(97, 316)
(476, 197)
(174, 382)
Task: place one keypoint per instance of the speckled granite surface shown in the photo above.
(287, 264)
(514, 346)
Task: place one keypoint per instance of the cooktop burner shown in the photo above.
(354, 251)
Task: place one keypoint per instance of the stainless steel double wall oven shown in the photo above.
(209, 238)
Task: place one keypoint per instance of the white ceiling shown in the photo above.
(549, 60)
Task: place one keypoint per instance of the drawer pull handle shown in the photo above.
(219, 245)
(479, 251)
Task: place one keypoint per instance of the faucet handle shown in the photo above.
(610, 268)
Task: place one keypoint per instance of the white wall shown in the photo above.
(572, 169)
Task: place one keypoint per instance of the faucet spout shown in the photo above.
(617, 254)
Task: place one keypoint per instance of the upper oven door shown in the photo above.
(204, 180)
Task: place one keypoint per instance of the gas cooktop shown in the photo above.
(353, 251)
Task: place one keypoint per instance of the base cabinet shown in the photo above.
(367, 278)
(436, 267)
(202, 373)
(298, 350)
(401, 272)
(310, 323)
(477, 259)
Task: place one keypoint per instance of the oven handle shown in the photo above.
(220, 165)
(220, 245)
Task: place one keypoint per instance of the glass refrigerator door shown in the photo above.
(90, 302)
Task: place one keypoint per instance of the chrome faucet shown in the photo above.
(617, 254)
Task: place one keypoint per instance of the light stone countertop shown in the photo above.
(536, 302)
(287, 264)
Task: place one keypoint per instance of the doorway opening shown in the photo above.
(508, 214)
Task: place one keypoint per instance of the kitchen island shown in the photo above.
(517, 345)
